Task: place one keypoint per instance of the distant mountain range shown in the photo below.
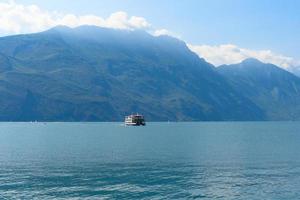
(273, 89)
(97, 74)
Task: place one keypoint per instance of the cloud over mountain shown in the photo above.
(160, 32)
(231, 54)
(17, 18)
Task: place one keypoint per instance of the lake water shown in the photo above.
(159, 161)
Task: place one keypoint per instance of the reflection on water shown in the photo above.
(172, 161)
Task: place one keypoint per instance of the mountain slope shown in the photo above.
(91, 73)
(273, 89)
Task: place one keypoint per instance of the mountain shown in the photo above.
(4, 63)
(271, 88)
(98, 74)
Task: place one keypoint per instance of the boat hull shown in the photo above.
(134, 124)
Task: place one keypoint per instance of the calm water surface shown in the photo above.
(159, 161)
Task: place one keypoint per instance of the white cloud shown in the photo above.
(17, 18)
(160, 32)
(230, 54)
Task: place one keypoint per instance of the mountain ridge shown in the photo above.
(99, 74)
(272, 88)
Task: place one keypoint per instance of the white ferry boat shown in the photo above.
(135, 120)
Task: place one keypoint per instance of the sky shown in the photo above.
(221, 31)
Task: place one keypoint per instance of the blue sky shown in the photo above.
(254, 25)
